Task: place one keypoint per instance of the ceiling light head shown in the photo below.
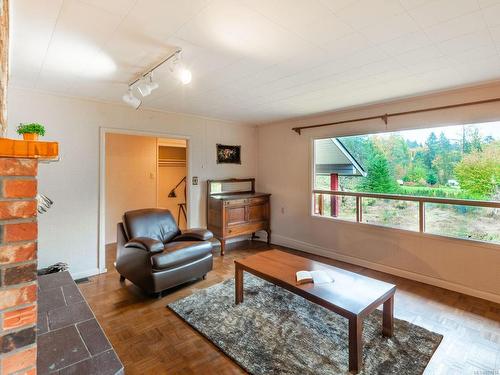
(154, 85)
(174, 61)
(147, 86)
(176, 67)
(144, 89)
(131, 100)
(185, 76)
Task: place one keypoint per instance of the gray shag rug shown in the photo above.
(277, 332)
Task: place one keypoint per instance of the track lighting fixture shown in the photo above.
(131, 100)
(147, 85)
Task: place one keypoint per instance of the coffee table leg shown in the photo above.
(238, 284)
(388, 317)
(355, 344)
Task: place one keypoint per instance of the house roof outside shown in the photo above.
(331, 156)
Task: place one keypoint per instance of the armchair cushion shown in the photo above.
(145, 243)
(194, 234)
(155, 223)
(177, 254)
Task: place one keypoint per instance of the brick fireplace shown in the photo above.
(42, 316)
(18, 252)
(18, 260)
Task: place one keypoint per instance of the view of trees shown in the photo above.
(450, 162)
(465, 167)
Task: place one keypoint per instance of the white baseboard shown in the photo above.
(86, 273)
(329, 253)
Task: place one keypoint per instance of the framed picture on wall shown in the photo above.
(228, 154)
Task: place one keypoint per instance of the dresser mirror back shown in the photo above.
(231, 186)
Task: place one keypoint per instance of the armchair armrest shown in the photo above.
(145, 243)
(194, 234)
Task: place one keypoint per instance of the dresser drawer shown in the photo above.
(259, 200)
(236, 202)
(245, 228)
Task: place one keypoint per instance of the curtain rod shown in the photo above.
(385, 117)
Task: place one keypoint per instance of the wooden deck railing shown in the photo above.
(421, 202)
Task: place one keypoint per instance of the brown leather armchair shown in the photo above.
(155, 255)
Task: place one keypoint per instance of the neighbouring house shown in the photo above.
(331, 157)
(331, 160)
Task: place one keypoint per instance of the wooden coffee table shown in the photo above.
(351, 295)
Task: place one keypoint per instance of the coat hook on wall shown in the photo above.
(43, 203)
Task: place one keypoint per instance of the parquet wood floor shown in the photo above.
(150, 339)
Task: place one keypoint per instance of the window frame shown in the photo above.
(337, 220)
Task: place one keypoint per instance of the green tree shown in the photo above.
(361, 147)
(412, 144)
(444, 144)
(479, 172)
(471, 139)
(432, 149)
(398, 155)
(445, 160)
(419, 158)
(417, 173)
(432, 177)
(379, 178)
(489, 139)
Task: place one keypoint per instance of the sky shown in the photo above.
(452, 132)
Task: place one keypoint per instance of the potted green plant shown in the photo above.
(30, 132)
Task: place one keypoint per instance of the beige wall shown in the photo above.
(69, 230)
(130, 177)
(285, 171)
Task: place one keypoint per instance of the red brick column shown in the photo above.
(18, 263)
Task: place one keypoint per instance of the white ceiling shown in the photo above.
(256, 60)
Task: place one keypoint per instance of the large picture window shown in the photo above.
(442, 181)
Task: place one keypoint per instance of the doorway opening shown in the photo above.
(172, 173)
(140, 171)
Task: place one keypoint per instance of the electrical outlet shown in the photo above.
(195, 180)
(282, 210)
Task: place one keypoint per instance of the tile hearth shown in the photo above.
(70, 340)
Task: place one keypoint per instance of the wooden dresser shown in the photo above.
(235, 209)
